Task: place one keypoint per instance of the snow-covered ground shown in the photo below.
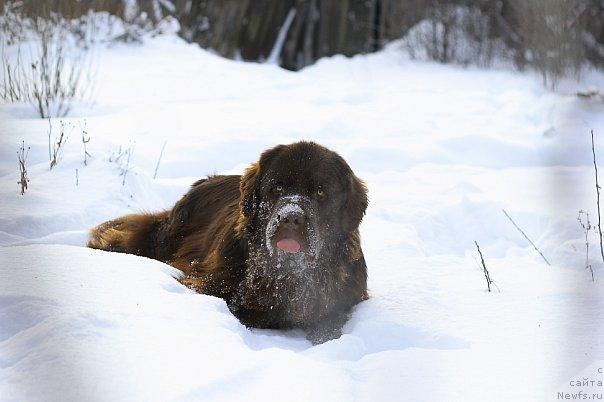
(443, 150)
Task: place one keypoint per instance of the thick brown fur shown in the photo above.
(214, 235)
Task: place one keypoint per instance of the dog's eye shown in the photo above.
(320, 192)
(279, 188)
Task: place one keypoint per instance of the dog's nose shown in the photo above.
(291, 220)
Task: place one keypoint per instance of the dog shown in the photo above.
(280, 243)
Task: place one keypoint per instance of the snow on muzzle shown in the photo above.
(291, 228)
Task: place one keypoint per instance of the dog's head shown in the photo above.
(299, 200)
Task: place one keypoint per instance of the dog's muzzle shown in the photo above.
(289, 229)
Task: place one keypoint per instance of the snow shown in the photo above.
(443, 150)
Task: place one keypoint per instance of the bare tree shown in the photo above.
(552, 36)
(455, 32)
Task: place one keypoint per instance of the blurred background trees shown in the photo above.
(555, 37)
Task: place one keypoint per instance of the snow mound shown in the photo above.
(114, 324)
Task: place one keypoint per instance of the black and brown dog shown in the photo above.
(280, 244)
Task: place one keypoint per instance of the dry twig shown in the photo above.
(125, 167)
(57, 146)
(586, 228)
(85, 141)
(484, 268)
(526, 237)
(22, 157)
(593, 151)
(159, 159)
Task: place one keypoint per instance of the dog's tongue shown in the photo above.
(288, 245)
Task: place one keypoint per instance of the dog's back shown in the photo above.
(161, 235)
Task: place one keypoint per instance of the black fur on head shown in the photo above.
(356, 204)
(250, 187)
(298, 165)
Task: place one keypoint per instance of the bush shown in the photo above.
(553, 33)
(455, 34)
(555, 37)
(47, 46)
(45, 62)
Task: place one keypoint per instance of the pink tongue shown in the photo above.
(288, 245)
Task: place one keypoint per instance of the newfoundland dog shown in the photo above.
(280, 244)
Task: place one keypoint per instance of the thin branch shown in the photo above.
(484, 267)
(526, 237)
(593, 151)
(159, 159)
(49, 139)
(126, 168)
(586, 228)
(58, 145)
(85, 141)
(22, 157)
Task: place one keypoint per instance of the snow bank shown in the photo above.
(82, 324)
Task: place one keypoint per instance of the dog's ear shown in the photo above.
(249, 186)
(355, 205)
